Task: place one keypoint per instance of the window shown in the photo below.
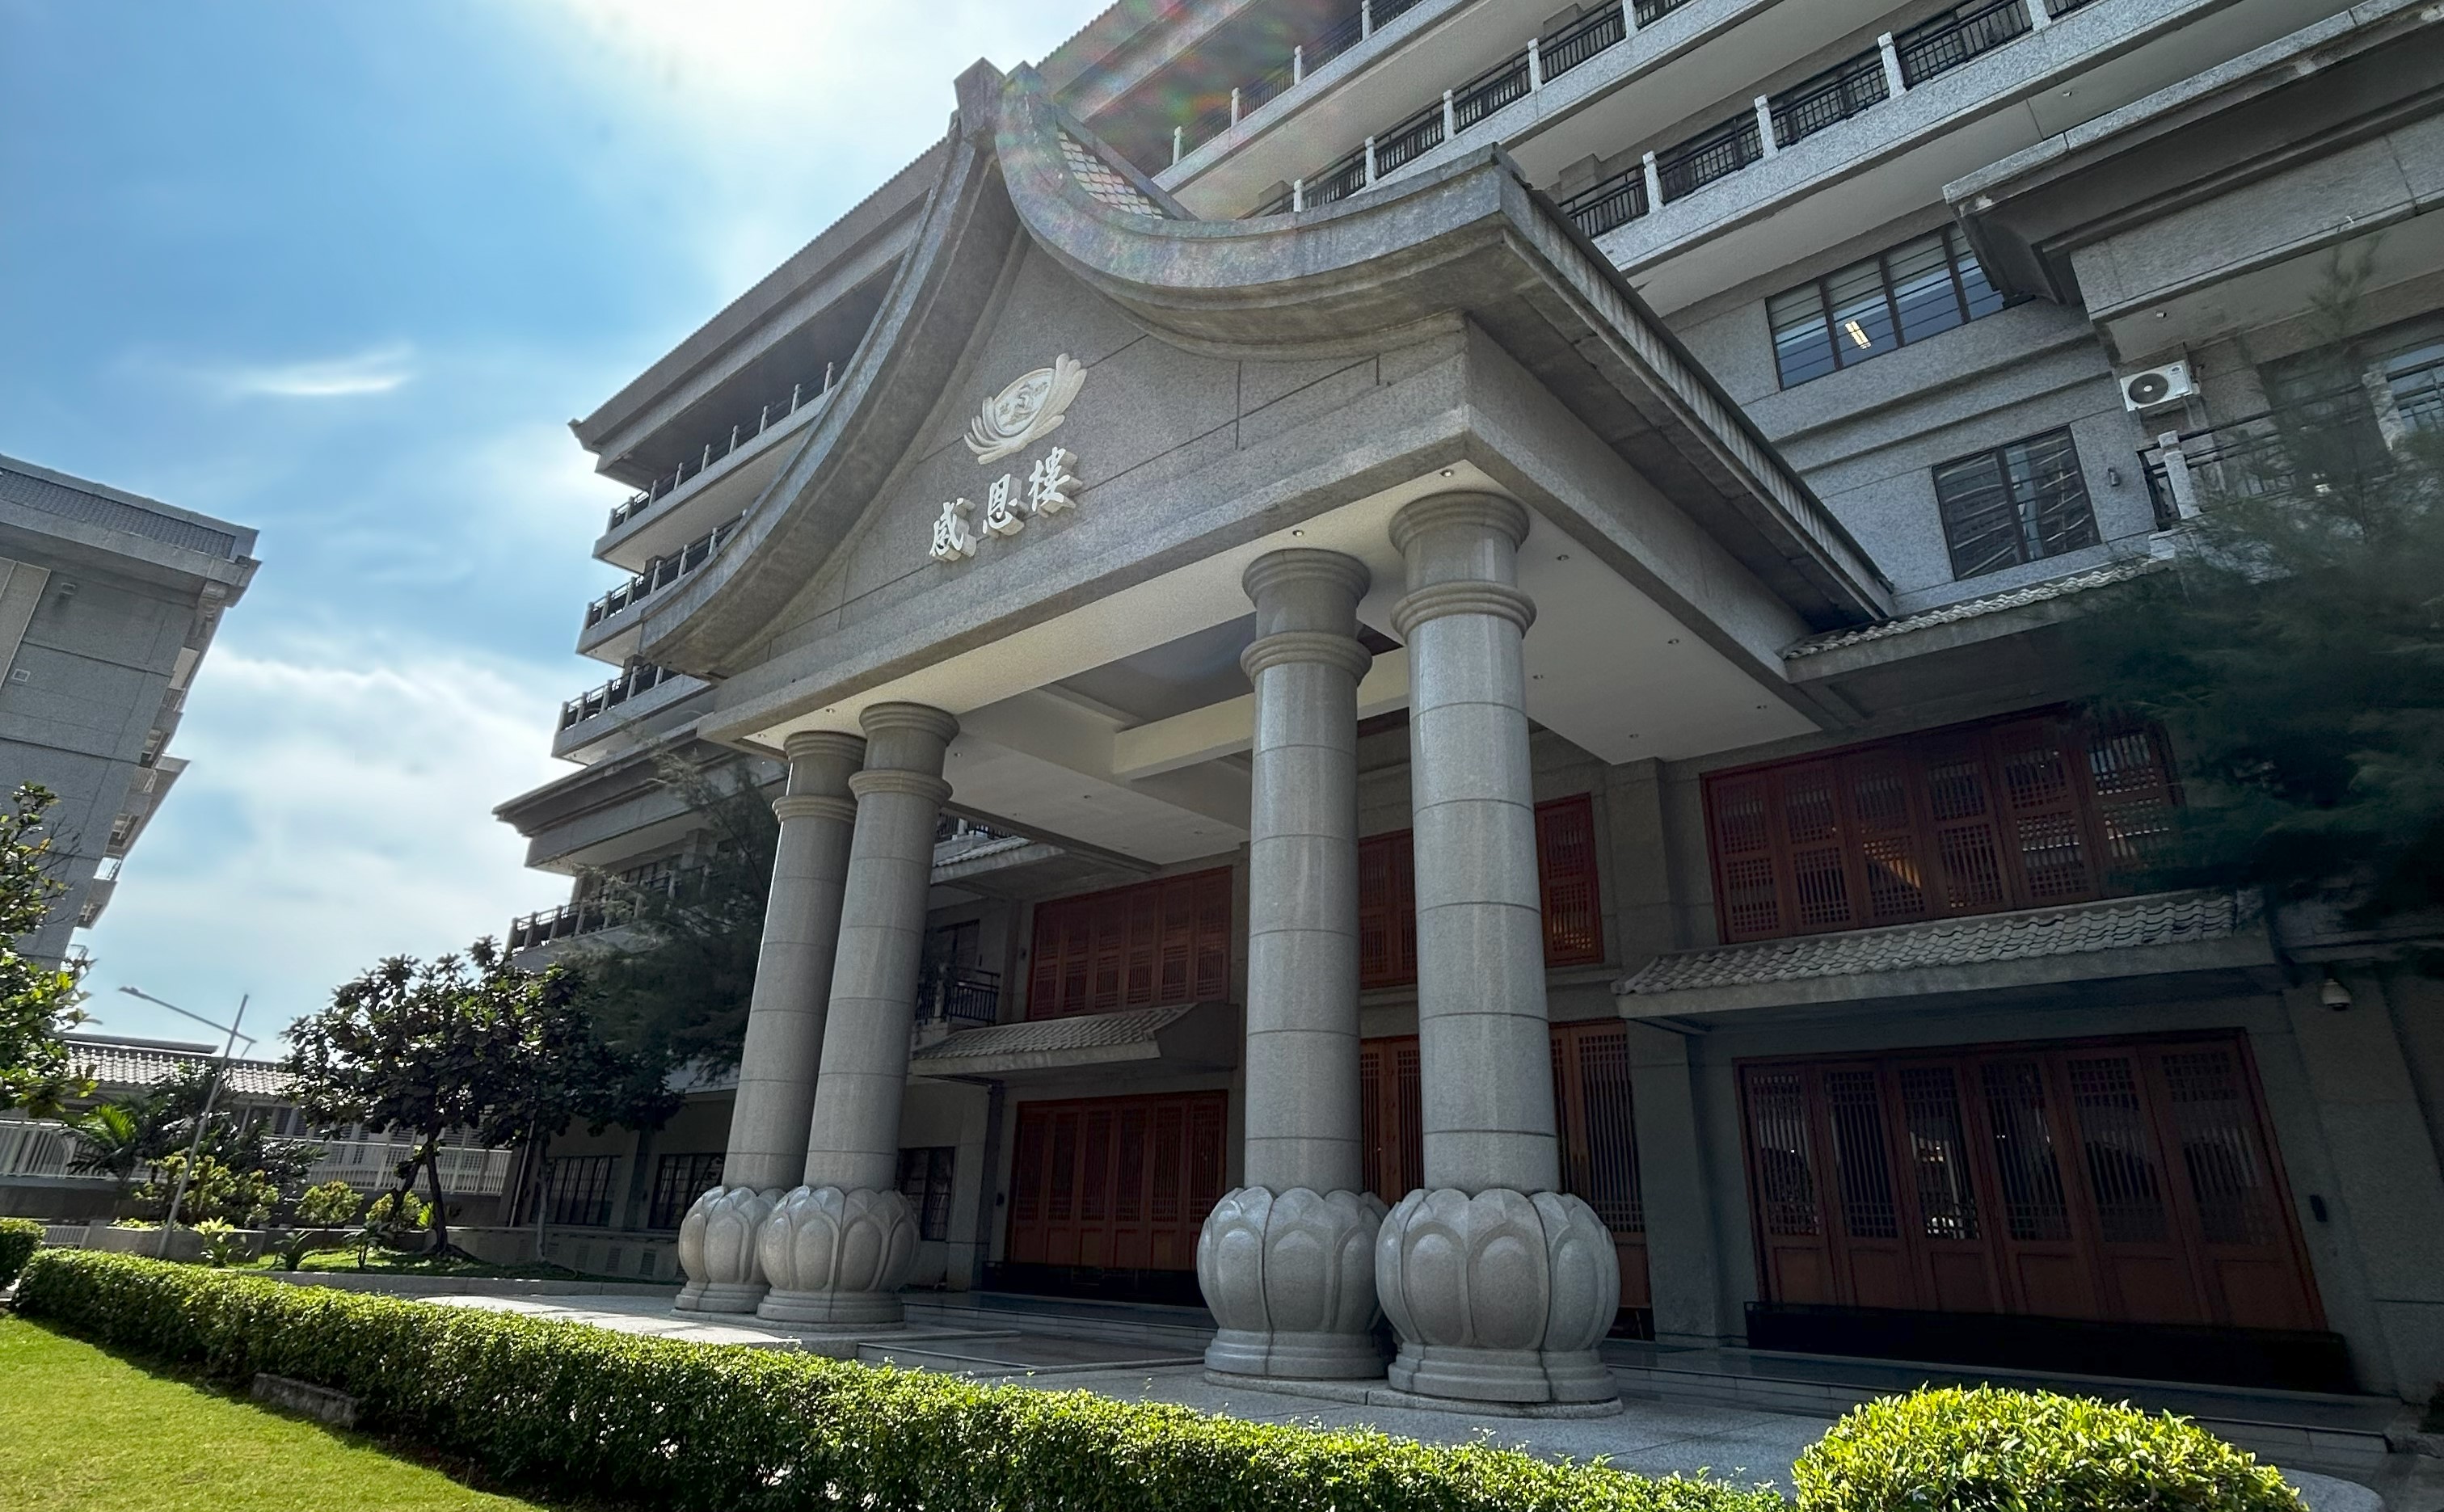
(577, 1191)
(925, 1181)
(1976, 819)
(1566, 865)
(2019, 503)
(1926, 285)
(678, 1181)
(2414, 381)
(1157, 942)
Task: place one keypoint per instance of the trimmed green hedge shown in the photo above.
(1955, 1451)
(18, 1238)
(685, 1425)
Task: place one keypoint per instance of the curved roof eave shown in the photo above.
(1470, 240)
(1466, 242)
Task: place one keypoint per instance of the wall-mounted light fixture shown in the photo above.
(2333, 994)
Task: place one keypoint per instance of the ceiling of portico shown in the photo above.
(1122, 724)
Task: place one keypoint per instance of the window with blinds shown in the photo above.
(1565, 864)
(1975, 819)
(2019, 503)
(1927, 285)
(1145, 946)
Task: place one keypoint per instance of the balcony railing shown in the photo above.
(1850, 89)
(802, 394)
(1717, 153)
(639, 677)
(1835, 95)
(659, 573)
(2345, 440)
(42, 1151)
(1615, 201)
(1950, 40)
(963, 997)
(372, 1164)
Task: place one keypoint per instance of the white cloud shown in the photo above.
(378, 371)
(338, 808)
(790, 111)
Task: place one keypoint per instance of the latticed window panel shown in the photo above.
(1156, 943)
(1566, 872)
(678, 1181)
(2016, 813)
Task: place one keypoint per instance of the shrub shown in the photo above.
(1968, 1450)
(18, 1237)
(666, 1424)
(328, 1206)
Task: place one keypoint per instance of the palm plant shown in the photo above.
(110, 1142)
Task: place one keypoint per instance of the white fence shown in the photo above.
(43, 1151)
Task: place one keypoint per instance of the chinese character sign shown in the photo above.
(1049, 488)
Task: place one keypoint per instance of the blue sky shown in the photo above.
(342, 273)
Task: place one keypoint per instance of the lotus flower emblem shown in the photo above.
(1029, 408)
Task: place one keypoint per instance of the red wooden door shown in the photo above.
(2129, 1181)
(1116, 1183)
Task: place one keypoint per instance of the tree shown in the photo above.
(38, 1002)
(216, 1193)
(468, 1043)
(2295, 649)
(110, 1142)
(679, 989)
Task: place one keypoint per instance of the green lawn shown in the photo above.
(81, 1431)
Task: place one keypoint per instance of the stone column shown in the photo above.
(1499, 1285)
(785, 1029)
(839, 1247)
(1287, 1262)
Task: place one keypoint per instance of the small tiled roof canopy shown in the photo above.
(2163, 918)
(1084, 1032)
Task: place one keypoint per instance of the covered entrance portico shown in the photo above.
(1182, 566)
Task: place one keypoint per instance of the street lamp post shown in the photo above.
(212, 1095)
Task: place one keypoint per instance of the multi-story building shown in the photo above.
(107, 602)
(1494, 578)
(42, 1174)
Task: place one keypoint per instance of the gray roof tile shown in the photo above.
(2119, 923)
(1975, 608)
(117, 1065)
(1095, 1031)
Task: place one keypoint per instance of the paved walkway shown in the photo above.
(1649, 1436)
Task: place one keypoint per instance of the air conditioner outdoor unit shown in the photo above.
(2155, 387)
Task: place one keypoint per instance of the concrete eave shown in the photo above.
(2185, 143)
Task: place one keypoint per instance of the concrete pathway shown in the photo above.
(1649, 1436)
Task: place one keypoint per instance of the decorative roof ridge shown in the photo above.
(2152, 918)
(2124, 570)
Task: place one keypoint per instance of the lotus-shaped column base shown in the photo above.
(1499, 1297)
(1290, 1278)
(717, 1249)
(836, 1256)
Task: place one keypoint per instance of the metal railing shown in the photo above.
(801, 394)
(641, 676)
(1614, 201)
(372, 1164)
(566, 922)
(2345, 442)
(1715, 153)
(1948, 41)
(1835, 95)
(963, 997)
(40, 1151)
(661, 572)
(1849, 89)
